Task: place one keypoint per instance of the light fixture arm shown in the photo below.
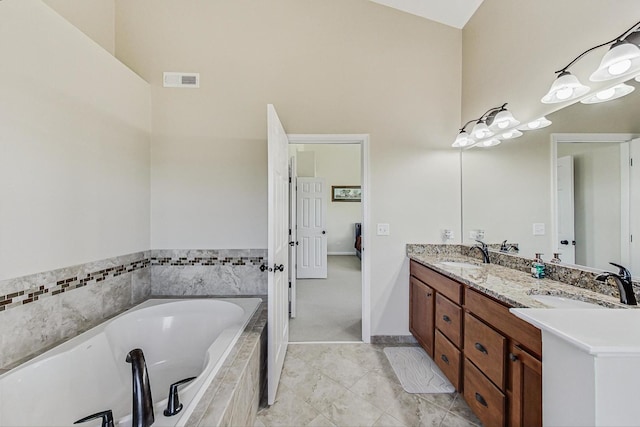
(620, 37)
(484, 116)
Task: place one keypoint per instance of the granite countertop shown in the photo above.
(511, 286)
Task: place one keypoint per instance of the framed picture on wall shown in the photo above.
(346, 193)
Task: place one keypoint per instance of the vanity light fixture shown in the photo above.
(622, 58)
(481, 130)
(539, 123)
(491, 142)
(493, 121)
(510, 134)
(462, 140)
(617, 91)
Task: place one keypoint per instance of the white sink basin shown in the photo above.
(463, 265)
(555, 301)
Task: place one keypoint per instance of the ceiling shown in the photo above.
(454, 13)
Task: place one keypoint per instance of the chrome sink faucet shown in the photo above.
(623, 280)
(482, 247)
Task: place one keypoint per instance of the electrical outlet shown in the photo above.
(383, 229)
(539, 229)
(476, 234)
(447, 234)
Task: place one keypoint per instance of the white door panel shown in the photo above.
(278, 255)
(311, 233)
(293, 236)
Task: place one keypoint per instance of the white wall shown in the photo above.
(329, 67)
(95, 18)
(339, 164)
(74, 162)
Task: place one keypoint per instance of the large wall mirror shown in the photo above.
(567, 188)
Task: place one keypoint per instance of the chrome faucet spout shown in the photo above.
(142, 415)
(624, 283)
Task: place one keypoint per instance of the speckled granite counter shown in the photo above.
(511, 286)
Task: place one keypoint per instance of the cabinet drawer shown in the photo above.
(486, 348)
(498, 316)
(447, 287)
(448, 359)
(485, 400)
(449, 319)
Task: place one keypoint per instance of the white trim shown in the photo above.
(342, 253)
(363, 140)
(625, 203)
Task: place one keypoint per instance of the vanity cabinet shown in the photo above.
(421, 312)
(492, 357)
(445, 347)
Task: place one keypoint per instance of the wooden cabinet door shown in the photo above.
(525, 405)
(421, 314)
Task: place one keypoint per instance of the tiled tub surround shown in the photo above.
(222, 272)
(507, 278)
(41, 310)
(233, 397)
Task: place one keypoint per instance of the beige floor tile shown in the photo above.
(461, 409)
(288, 410)
(414, 411)
(340, 369)
(377, 389)
(452, 420)
(387, 420)
(321, 421)
(348, 409)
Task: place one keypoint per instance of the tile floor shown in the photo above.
(354, 385)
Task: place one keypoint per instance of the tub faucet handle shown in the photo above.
(173, 403)
(107, 418)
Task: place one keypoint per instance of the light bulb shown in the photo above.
(606, 94)
(503, 124)
(620, 67)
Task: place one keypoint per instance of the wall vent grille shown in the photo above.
(181, 80)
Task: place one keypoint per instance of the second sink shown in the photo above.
(555, 301)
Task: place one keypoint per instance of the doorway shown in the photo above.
(329, 306)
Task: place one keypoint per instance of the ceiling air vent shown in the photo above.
(191, 80)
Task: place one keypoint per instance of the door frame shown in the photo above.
(363, 140)
(586, 137)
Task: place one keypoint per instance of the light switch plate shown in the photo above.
(539, 229)
(383, 229)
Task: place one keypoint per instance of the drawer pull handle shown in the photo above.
(513, 357)
(444, 358)
(481, 348)
(481, 400)
(446, 318)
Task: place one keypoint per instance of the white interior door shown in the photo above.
(565, 240)
(278, 254)
(312, 232)
(634, 208)
(293, 235)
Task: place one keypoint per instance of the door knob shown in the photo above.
(278, 267)
(324, 232)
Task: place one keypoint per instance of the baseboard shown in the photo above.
(341, 253)
(393, 339)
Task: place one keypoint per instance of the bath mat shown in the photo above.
(416, 371)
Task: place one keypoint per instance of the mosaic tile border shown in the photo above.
(213, 260)
(20, 298)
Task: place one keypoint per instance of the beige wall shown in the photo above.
(74, 162)
(510, 50)
(95, 18)
(328, 67)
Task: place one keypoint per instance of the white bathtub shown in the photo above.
(89, 374)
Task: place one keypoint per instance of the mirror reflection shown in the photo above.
(568, 188)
